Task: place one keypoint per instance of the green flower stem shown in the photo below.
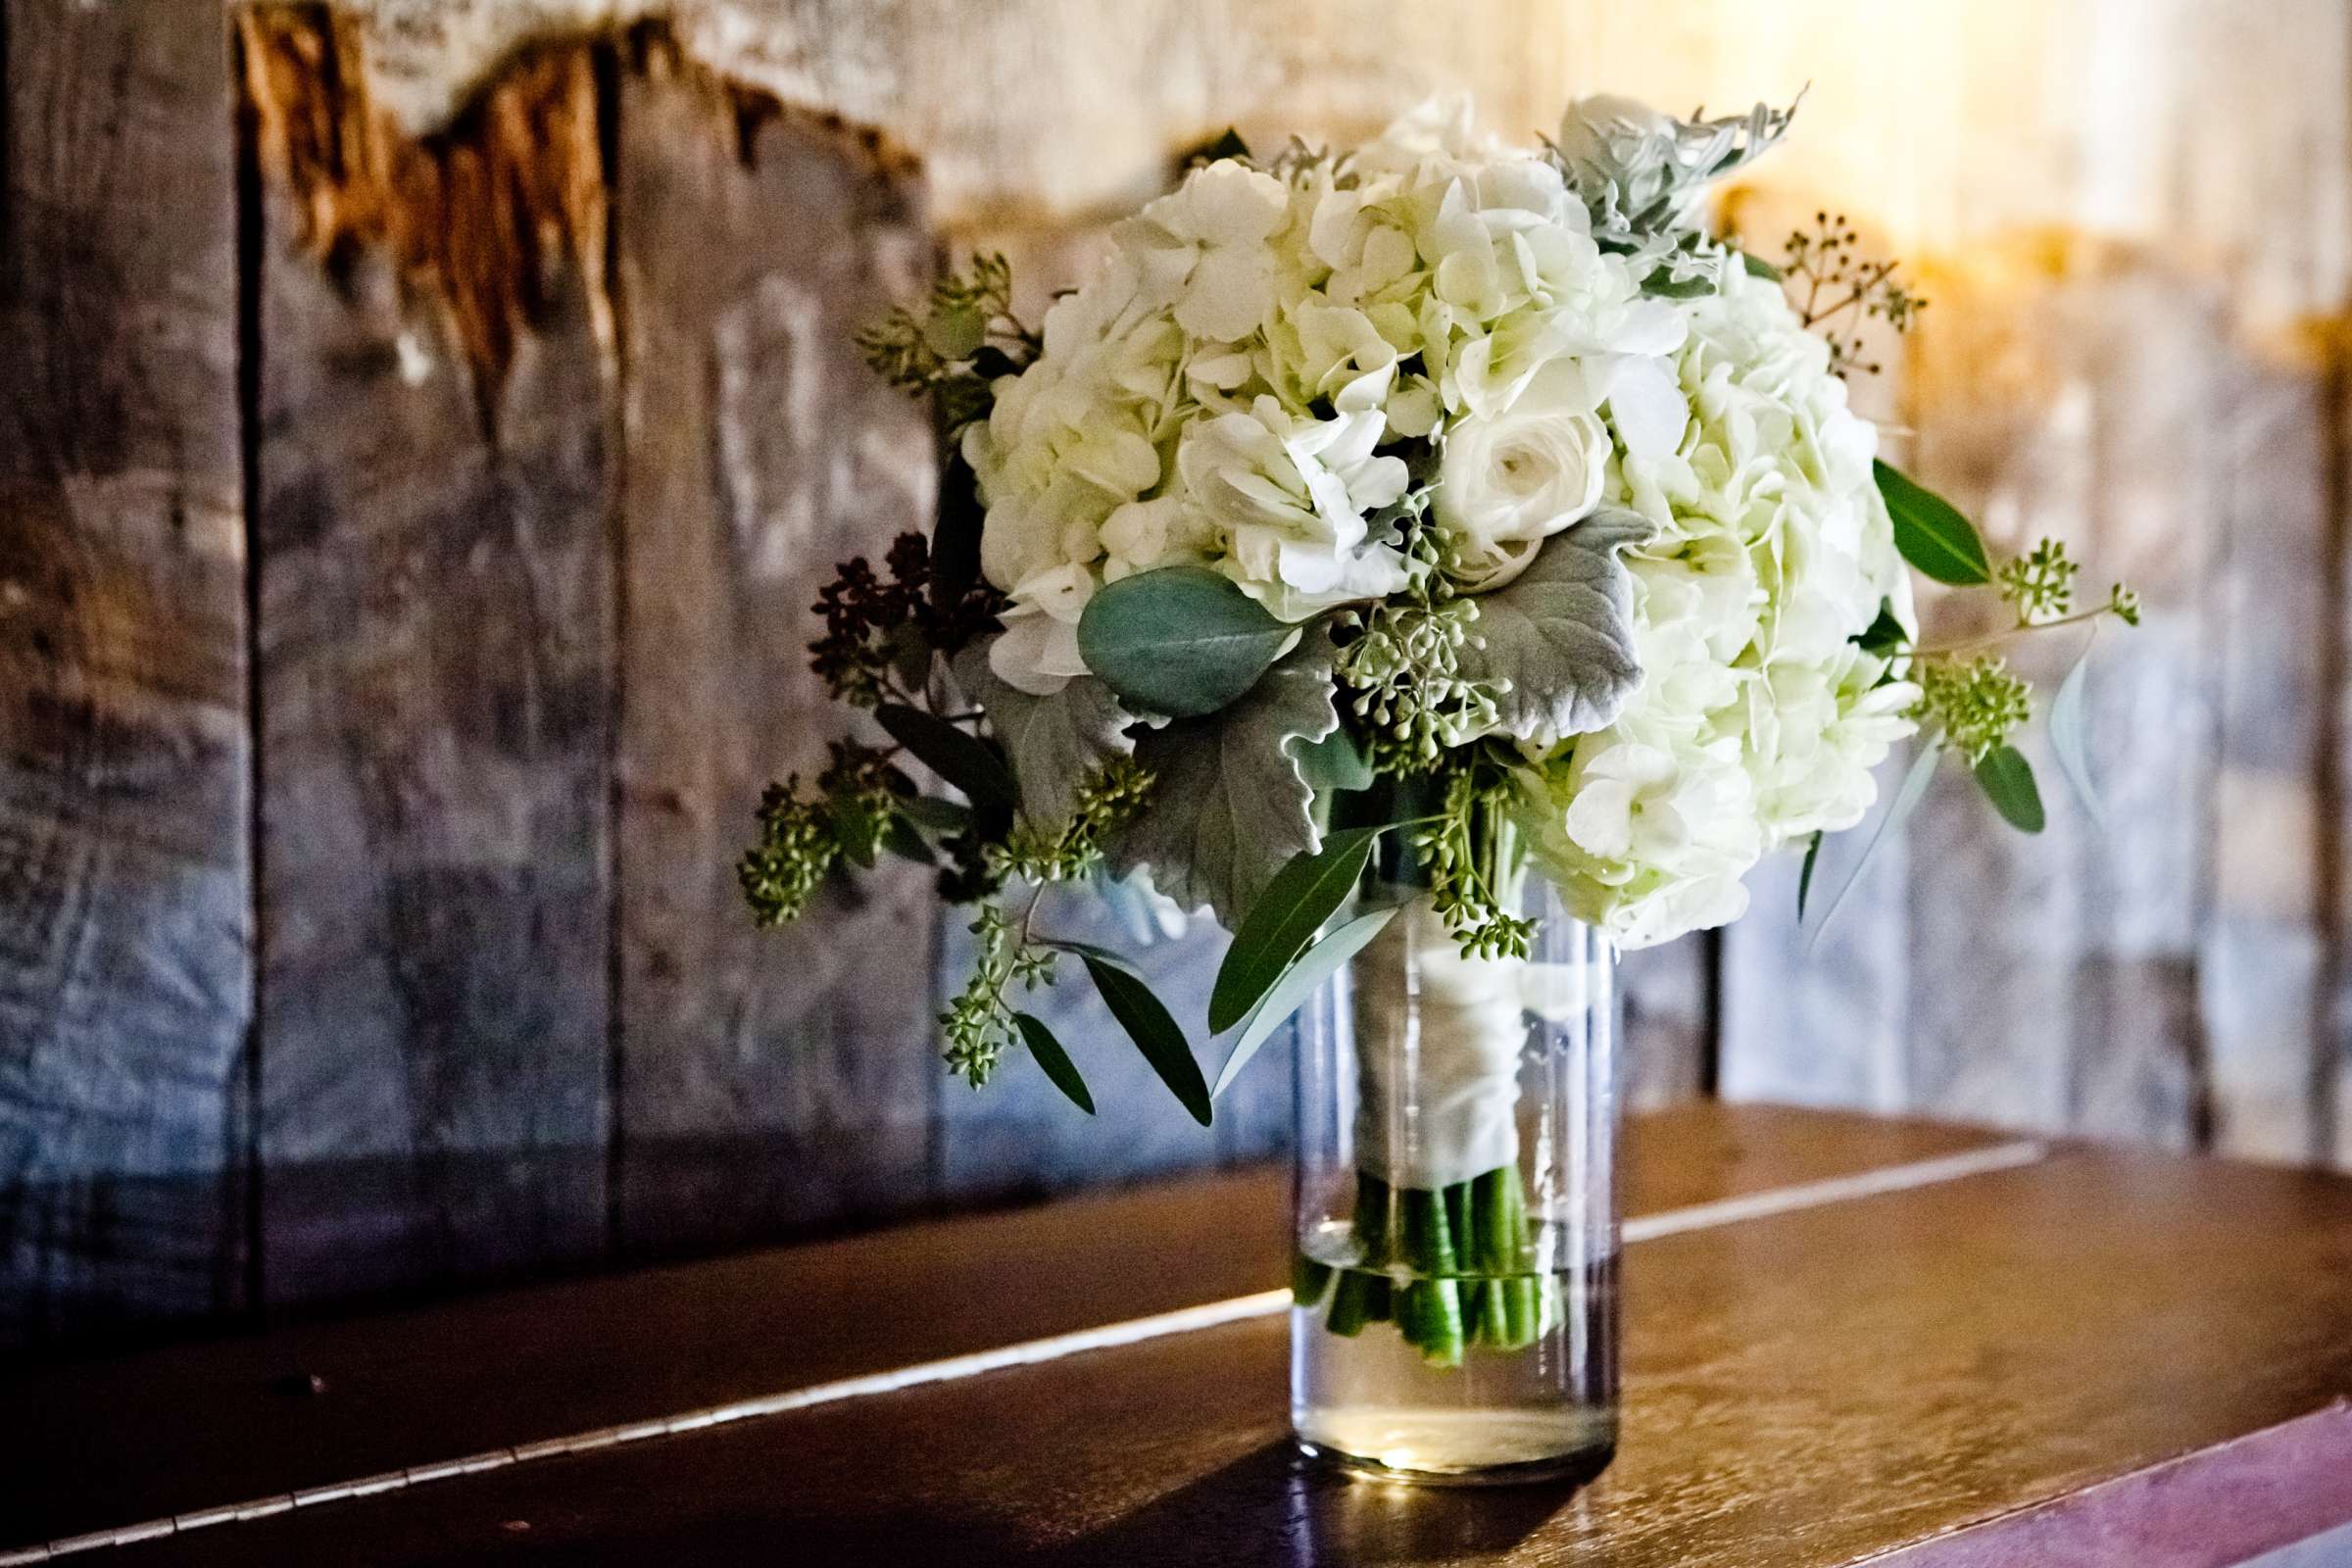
(1449, 1267)
(1309, 1279)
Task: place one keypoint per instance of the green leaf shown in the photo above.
(2070, 734)
(1907, 797)
(955, 537)
(1298, 982)
(930, 811)
(1229, 805)
(1055, 1060)
(1334, 763)
(1758, 266)
(2007, 780)
(1180, 639)
(1662, 284)
(1931, 532)
(1155, 1033)
(1556, 643)
(963, 761)
(1884, 635)
(1304, 894)
(1229, 145)
(1804, 878)
(1056, 743)
(901, 839)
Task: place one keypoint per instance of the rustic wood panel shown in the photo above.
(769, 1080)
(435, 484)
(2265, 947)
(125, 904)
(98, 1443)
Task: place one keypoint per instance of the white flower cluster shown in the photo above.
(1269, 361)
(1222, 390)
(1759, 719)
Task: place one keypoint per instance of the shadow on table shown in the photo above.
(1272, 1508)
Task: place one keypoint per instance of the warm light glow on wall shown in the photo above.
(2218, 132)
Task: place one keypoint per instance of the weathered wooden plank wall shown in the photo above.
(436, 654)
(124, 893)
(546, 409)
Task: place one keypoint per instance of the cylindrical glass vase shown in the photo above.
(1455, 1312)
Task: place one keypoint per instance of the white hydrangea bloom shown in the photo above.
(1241, 383)
(1223, 391)
(1758, 720)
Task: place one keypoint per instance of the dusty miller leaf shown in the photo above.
(1056, 742)
(1561, 634)
(1230, 806)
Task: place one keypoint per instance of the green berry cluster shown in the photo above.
(1976, 702)
(1467, 852)
(979, 1022)
(918, 351)
(2040, 583)
(1043, 853)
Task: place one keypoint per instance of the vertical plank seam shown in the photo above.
(605, 60)
(2214, 650)
(246, 150)
(2328, 786)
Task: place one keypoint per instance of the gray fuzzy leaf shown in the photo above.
(1230, 807)
(1056, 742)
(1561, 633)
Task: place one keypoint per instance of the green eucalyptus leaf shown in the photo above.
(1931, 532)
(1556, 643)
(1181, 641)
(1335, 763)
(1055, 1060)
(1229, 806)
(1153, 1030)
(1298, 982)
(1758, 266)
(964, 761)
(1907, 797)
(2070, 734)
(2007, 780)
(1304, 894)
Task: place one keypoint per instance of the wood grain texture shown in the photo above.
(1803, 1390)
(99, 1443)
(436, 700)
(125, 900)
(771, 1081)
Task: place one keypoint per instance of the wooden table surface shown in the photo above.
(1849, 1340)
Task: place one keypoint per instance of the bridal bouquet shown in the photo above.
(1422, 515)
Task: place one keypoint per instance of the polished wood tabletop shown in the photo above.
(1849, 1340)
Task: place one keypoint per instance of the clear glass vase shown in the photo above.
(1455, 1312)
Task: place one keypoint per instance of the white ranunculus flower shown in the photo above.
(1507, 484)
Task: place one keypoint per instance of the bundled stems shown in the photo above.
(1452, 1268)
